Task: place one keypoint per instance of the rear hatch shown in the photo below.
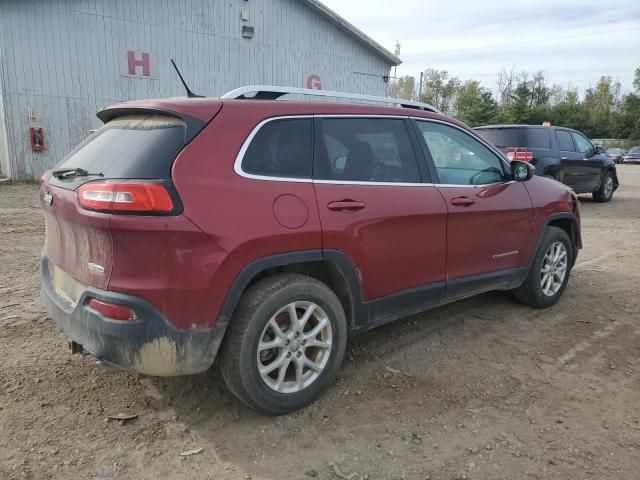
(123, 168)
(508, 138)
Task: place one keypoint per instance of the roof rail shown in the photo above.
(269, 92)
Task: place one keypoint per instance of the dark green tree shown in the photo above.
(474, 105)
(626, 123)
(519, 109)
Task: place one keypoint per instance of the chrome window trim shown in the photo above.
(379, 184)
(355, 115)
(484, 185)
(237, 166)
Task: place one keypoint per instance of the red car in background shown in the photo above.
(267, 232)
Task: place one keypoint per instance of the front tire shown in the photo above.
(605, 192)
(549, 272)
(285, 343)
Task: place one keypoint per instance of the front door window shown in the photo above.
(459, 158)
(584, 145)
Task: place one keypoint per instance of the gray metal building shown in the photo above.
(63, 60)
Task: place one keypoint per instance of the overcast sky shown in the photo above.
(573, 41)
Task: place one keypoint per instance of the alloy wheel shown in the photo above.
(554, 268)
(608, 187)
(294, 347)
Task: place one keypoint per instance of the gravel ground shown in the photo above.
(481, 389)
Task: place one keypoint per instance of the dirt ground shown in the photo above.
(481, 389)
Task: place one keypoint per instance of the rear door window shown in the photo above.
(366, 150)
(565, 143)
(281, 148)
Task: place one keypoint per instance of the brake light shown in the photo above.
(519, 154)
(125, 197)
(112, 311)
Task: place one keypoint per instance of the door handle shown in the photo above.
(345, 206)
(563, 158)
(462, 201)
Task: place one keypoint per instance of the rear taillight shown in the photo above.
(519, 154)
(143, 197)
(111, 310)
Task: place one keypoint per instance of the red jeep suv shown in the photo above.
(266, 232)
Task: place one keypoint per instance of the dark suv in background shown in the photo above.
(560, 153)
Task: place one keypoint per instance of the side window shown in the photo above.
(459, 158)
(565, 144)
(281, 148)
(366, 150)
(584, 145)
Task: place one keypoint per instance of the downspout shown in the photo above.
(5, 163)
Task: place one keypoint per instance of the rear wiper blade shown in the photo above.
(73, 172)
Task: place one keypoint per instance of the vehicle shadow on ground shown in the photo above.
(204, 399)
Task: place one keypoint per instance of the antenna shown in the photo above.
(190, 94)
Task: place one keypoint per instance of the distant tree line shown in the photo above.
(527, 98)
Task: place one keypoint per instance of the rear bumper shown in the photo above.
(149, 344)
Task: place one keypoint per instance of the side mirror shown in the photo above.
(522, 171)
(600, 150)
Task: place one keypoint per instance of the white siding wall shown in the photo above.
(61, 58)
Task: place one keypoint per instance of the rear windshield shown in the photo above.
(517, 137)
(135, 146)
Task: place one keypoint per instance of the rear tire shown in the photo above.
(266, 353)
(545, 283)
(605, 192)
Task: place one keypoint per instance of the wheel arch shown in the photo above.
(611, 168)
(331, 267)
(569, 223)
